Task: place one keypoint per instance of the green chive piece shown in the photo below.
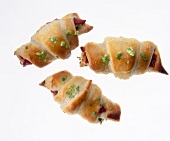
(54, 40)
(98, 98)
(100, 120)
(130, 51)
(63, 79)
(76, 32)
(90, 104)
(78, 26)
(143, 57)
(77, 89)
(63, 44)
(41, 54)
(67, 46)
(93, 113)
(105, 58)
(70, 95)
(68, 33)
(72, 88)
(45, 60)
(118, 55)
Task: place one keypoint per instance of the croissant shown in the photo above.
(52, 41)
(121, 56)
(77, 95)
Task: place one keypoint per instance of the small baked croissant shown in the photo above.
(121, 56)
(77, 95)
(53, 40)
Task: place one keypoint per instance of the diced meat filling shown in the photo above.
(78, 22)
(102, 110)
(54, 92)
(24, 62)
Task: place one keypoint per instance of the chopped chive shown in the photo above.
(68, 33)
(63, 44)
(98, 98)
(77, 89)
(41, 54)
(130, 51)
(118, 55)
(105, 58)
(76, 32)
(143, 57)
(63, 79)
(78, 26)
(45, 60)
(100, 120)
(67, 46)
(93, 113)
(90, 104)
(70, 95)
(72, 88)
(54, 40)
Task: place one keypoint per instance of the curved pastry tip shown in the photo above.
(42, 83)
(115, 115)
(162, 70)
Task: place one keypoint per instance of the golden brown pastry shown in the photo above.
(77, 95)
(121, 56)
(54, 40)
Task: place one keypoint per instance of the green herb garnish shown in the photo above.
(130, 51)
(98, 98)
(45, 60)
(68, 33)
(63, 43)
(94, 113)
(76, 32)
(90, 104)
(70, 95)
(118, 55)
(78, 26)
(63, 79)
(54, 40)
(41, 55)
(143, 57)
(77, 89)
(105, 58)
(100, 120)
(73, 89)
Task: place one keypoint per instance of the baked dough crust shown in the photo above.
(87, 101)
(146, 57)
(47, 41)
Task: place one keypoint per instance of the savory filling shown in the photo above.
(54, 92)
(153, 61)
(83, 60)
(42, 83)
(24, 62)
(102, 110)
(78, 23)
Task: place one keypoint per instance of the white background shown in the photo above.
(28, 111)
